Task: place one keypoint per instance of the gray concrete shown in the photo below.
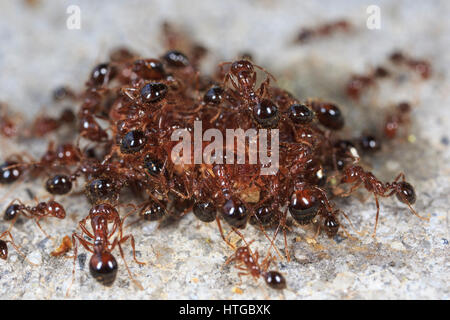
(409, 258)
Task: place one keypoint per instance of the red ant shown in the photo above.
(63, 155)
(44, 124)
(38, 212)
(307, 34)
(420, 66)
(403, 190)
(359, 83)
(102, 265)
(247, 262)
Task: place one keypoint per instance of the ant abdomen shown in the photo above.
(101, 189)
(300, 114)
(235, 213)
(3, 250)
(329, 115)
(275, 280)
(153, 92)
(266, 113)
(304, 206)
(12, 211)
(132, 142)
(99, 74)
(263, 215)
(153, 211)
(150, 69)
(406, 193)
(214, 95)
(9, 174)
(58, 185)
(176, 59)
(103, 267)
(205, 211)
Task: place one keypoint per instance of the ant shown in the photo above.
(247, 262)
(307, 34)
(63, 155)
(422, 67)
(404, 191)
(43, 125)
(103, 265)
(361, 82)
(38, 212)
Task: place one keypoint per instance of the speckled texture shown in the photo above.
(409, 258)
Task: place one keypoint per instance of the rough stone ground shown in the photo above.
(409, 258)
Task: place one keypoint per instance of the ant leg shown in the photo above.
(263, 87)
(283, 223)
(222, 234)
(401, 175)
(353, 188)
(351, 224)
(240, 274)
(412, 209)
(83, 228)
(133, 247)
(348, 234)
(229, 260)
(261, 227)
(378, 213)
(75, 255)
(40, 227)
(269, 75)
(137, 283)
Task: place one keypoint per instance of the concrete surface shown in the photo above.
(409, 258)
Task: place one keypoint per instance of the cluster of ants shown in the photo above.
(129, 110)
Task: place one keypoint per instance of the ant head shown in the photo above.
(241, 65)
(103, 267)
(405, 193)
(3, 250)
(56, 210)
